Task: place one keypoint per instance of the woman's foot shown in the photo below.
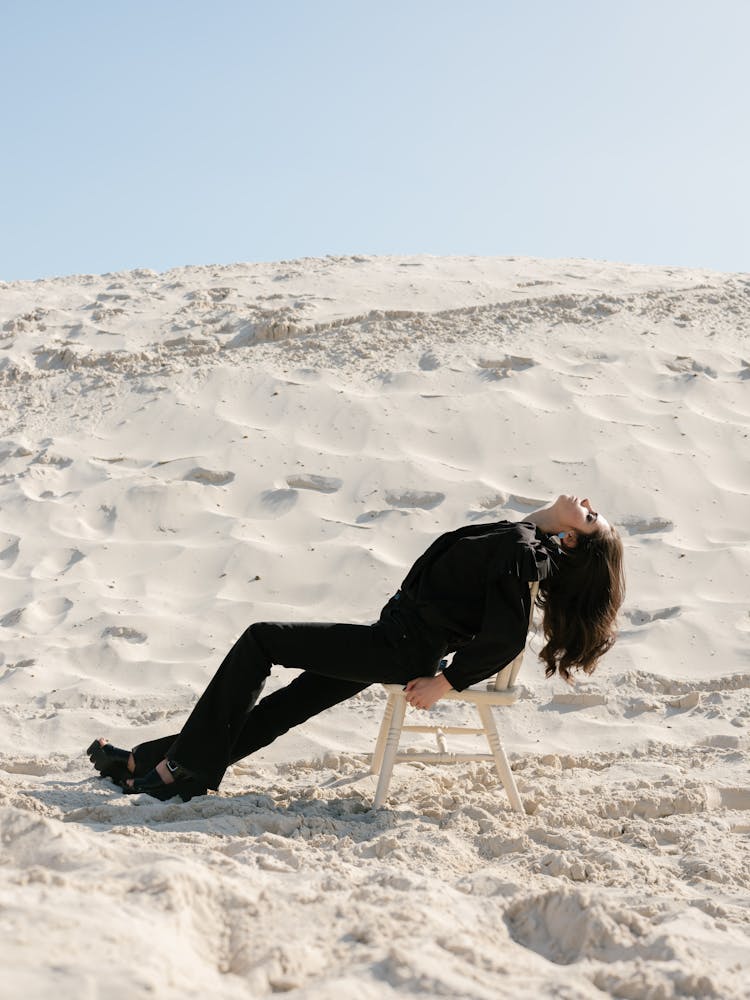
(165, 781)
(110, 761)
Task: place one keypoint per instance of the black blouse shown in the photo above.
(472, 586)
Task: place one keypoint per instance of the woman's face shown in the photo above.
(578, 515)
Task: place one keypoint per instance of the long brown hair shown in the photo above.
(580, 602)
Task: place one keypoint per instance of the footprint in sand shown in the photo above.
(278, 502)
(683, 364)
(102, 519)
(414, 498)
(120, 632)
(21, 664)
(12, 618)
(56, 563)
(45, 458)
(376, 515)
(41, 616)
(319, 484)
(429, 362)
(639, 617)
(9, 548)
(645, 525)
(208, 477)
(503, 367)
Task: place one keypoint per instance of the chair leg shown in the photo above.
(377, 756)
(391, 749)
(501, 761)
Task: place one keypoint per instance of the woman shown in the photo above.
(467, 594)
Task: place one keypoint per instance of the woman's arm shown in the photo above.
(423, 692)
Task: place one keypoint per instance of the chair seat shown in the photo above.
(474, 695)
(502, 692)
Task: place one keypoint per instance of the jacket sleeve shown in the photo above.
(505, 618)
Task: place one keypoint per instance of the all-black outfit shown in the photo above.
(467, 594)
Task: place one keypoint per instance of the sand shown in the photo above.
(182, 454)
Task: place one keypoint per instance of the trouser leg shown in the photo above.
(147, 755)
(357, 653)
(277, 713)
(305, 696)
(205, 741)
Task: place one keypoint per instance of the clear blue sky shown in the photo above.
(170, 132)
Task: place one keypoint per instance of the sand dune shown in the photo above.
(184, 453)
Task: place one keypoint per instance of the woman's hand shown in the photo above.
(423, 692)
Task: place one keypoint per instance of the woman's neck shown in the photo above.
(545, 519)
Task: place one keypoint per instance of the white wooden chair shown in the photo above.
(500, 691)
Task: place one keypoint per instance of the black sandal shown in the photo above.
(110, 762)
(186, 784)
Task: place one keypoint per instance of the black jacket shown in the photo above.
(471, 587)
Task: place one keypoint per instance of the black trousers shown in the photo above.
(339, 660)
